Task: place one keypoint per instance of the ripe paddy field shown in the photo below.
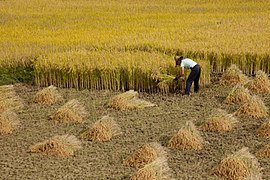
(104, 160)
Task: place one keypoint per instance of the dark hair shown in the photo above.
(178, 60)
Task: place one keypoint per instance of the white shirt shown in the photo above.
(188, 63)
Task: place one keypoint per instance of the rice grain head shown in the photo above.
(128, 100)
(260, 84)
(219, 121)
(232, 76)
(72, 111)
(9, 122)
(102, 130)
(264, 130)
(145, 155)
(187, 138)
(48, 96)
(254, 108)
(264, 152)
(239, 95)
(62, 146)
(156, 170)
(239, 166)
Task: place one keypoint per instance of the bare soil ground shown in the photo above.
(104, 160)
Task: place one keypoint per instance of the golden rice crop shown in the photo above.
(254, 108)
(239, 165)
(48, 95)
(264, 130)
(145, 155)
(63, 146)
(102, 130)
(260, 84)
(128, 100)
(9, 121)
(238, 95)
(155, 170)
(219, 121)
(72, 111)
(187, 138)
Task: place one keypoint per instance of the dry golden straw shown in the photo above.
(48, 95)
(187, 138)
(9, 121)
(232, 76)
(145, 155)
(264, 130)
(264, 152)
(254, 108)
(102, 130)
(128, 100)
(156, 170)
(72, 111)
(239, 166)
(239, 95)
(260, 84)
(63, 146)
(219, 121)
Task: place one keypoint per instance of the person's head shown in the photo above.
(178, 60)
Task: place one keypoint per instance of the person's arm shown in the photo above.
(182, 71)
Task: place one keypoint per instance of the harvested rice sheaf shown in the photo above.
(48, 95)
(219, 121)
(7, 91)
(9, 121)
(264, 152)
(239, 166)
(254, 108)
(187, 138)
(63, 146)
(145, 155)
(239, 95)
(260, 84)
(165, 81)
(72, 111)
(264, 130)
(232, 76)
(156, 170)
(102, 130)
(128, 100)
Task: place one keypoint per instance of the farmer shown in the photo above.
(193, 76)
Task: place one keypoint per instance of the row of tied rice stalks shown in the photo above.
(141, 71)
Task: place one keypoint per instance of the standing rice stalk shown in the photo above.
(102, 130)
(219, 121)
(62, 146)
(157, 170)
(72, 111)
(238, 166)
(187, 138)
(145, 155)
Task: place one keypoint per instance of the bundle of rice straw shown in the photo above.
(187, 138)
(219, 121)
(102, 130)
(254, 108)
(48, 95)
(264, 130)
(156, 170)
(232, 76)
(264, 152)
(128, 100)
(165, 81)
(145, 155)
(63, 146)
(72, 111)
(9, 121)
(240, 165)
(239, 95)
(260, 84)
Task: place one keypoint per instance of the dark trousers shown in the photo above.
(193, 76)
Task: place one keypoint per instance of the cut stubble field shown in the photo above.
(104, 160)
